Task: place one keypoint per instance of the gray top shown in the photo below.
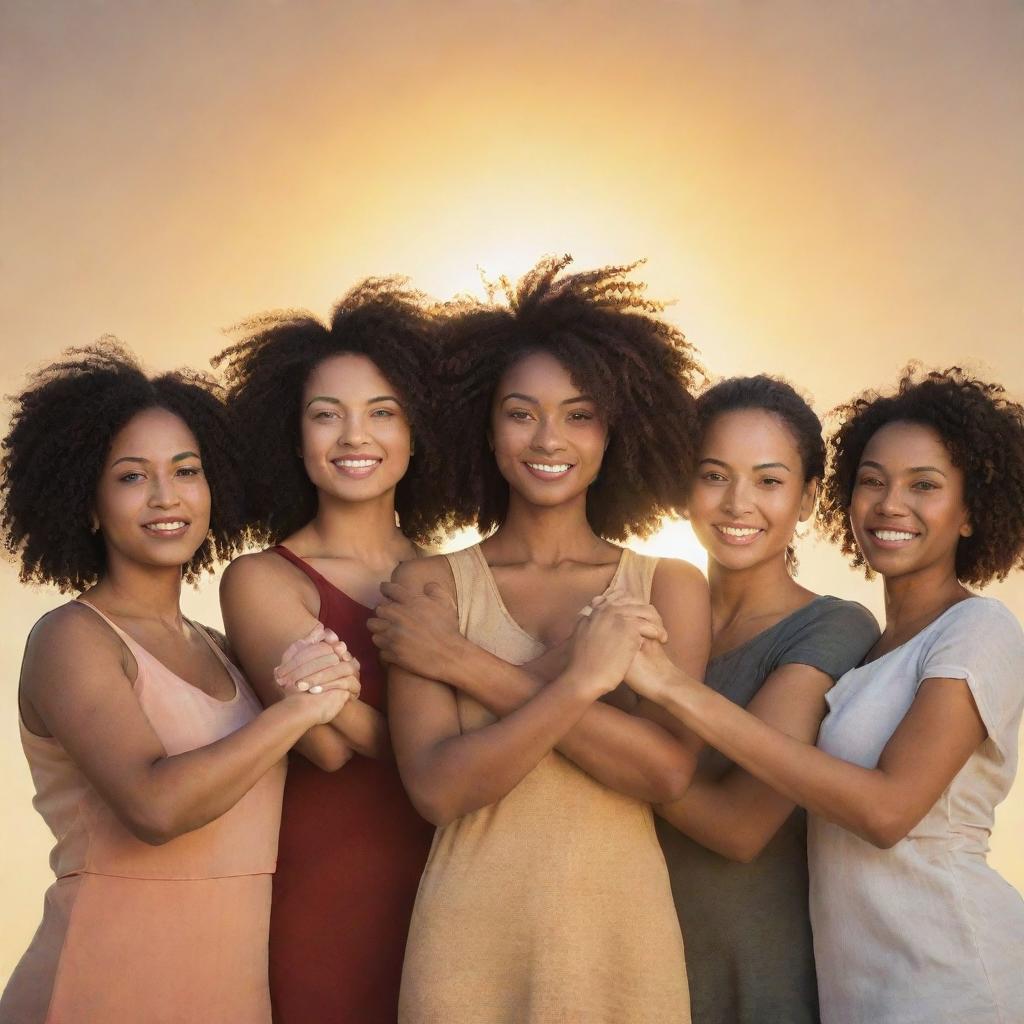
(746, 927)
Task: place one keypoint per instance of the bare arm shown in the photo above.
(449, 774)
(737, 814)
(265, 609)
(625, 750)
(75, 679)
(882, 804)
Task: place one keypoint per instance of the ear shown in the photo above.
(966, 530)
(807, 500)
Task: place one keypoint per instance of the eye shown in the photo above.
(518, 414)
(580, 415)
(925, 485)
(713, 476)
(869, 481)
(771, 481)
(325, 414)
(383, 414)
(189, 471)
(131, 477)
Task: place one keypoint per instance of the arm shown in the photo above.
(882, 804)
(625, 750)
(77, 677)
(736, 814)
(265, 609)
(449, 774)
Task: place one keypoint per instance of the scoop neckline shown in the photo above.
(218, 653)
(493, 584)
(775, 625)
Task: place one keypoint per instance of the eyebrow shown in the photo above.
(536, 401)
(145, 462)
(763, 465)
(336, 401)
(913, 469)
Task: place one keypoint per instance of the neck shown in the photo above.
(546, 535)
(364, 531)
(744, 593)
(921, 595)
(140, 592)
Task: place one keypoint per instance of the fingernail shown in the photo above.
(302, 686)
(316, 689)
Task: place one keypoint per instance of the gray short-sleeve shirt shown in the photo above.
(746, 927)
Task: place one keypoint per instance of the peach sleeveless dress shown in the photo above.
(552, 905)
(140, 934)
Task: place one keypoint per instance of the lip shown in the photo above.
(166, 534)
(357, 472)
(546, 475)
(735, 541)
(891, 545)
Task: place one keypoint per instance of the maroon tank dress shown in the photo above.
(349, 861)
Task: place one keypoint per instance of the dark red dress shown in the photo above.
(350, 858)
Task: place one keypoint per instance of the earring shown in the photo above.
(966, 530)
(412, 447)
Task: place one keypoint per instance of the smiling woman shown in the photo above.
(153, 763)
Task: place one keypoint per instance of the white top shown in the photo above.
(926, 932)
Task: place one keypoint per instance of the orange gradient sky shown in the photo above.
(826, 191)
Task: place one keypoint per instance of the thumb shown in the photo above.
(315, 633)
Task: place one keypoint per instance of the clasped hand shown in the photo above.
(319, 666)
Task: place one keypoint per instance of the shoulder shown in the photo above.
(66, 638)
(828, 613)
(979, 626)
(674, 577)
(416, 573)
(260, 572)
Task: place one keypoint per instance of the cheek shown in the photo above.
(703, 502)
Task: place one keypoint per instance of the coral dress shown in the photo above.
(552, 905)
(140, 934)
(351, 854)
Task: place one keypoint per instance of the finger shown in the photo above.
(330, 637)
(377, 625)
(342, 651)
(315, 633)
(436, 592)
(307, 668)
(327, 680)
(650, 631)
(395, 592)
(307, 652)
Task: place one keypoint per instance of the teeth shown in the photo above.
(356, 463)
(162, 527)
(739, 531)
(560, 468)
(893, 535)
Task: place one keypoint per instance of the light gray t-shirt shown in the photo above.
(926, 932)
(745, 926)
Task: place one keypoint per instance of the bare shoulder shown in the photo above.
(418, 572)
(263, 573)
(66, 639)
(676, 580)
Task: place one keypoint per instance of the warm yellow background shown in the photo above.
(826, 189)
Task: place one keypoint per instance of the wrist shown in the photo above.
(587, 686)
(458, 657)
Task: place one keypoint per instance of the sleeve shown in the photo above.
(983, 644)
(834, 641)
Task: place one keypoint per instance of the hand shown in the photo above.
(419, 632)
(320, 707)
(651, 671)
(316, 661)
(606, 641)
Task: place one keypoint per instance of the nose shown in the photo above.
(162, 492)
(890, 502)
(353, 432)
(548, 437)
(736, 499)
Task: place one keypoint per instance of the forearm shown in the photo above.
(185, 791)
(363, 728)
(627, 753)
(462, 773)
(859, 799)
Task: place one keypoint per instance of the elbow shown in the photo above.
(672, 779)
(151, 826)
(434, 808)
(329, 760)
(884, 827)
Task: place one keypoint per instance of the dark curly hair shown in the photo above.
(638, 368)
(382, 319)
(59, 437)
(983, 432)
(774, 395)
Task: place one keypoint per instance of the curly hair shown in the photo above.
(639, 370)
(382, 319)
(60, 434)
(776, 396)
(983, 431)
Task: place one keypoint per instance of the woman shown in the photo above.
(153, 764)
(919, 745)
(545, 897)
(332, 465)
(736, 850)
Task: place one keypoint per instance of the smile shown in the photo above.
(167, 526)
(549, 471)
(893, 536)
(739, 534)
(358, 468)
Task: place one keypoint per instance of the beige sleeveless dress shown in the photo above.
(139, 934)
(552, 905)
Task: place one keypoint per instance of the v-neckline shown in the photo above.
(496, 591)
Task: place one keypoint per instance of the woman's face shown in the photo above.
(153, 500)
(355, 434)
(548, 438)
(749, 492)
(907, 509)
